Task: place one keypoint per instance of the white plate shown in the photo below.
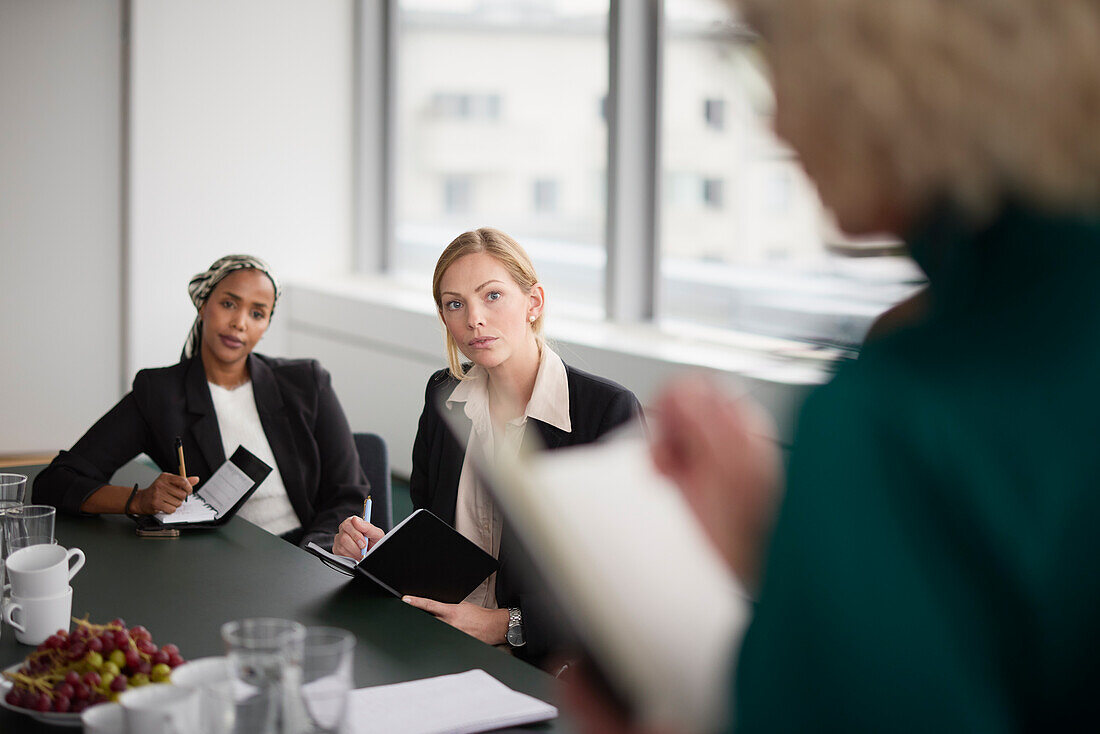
(50, 717)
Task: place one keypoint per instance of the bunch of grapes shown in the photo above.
(94, 663)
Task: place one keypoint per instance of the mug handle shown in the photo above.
(79, 555)
(9, 612)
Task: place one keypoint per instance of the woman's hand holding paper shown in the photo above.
(722, 453)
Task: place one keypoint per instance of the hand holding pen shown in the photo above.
(167, 492)
(355, 534)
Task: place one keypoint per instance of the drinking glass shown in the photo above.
(326, 679)
(13, 492)
(265, 656)
(28, 525)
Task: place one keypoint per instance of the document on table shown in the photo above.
(218, 495)
(463, 703)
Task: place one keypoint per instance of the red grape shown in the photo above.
(121, 639)
(61, 703)
(147, 647)
(144, 667)
(72, 677)
(117, 622)
(175, 659)
(53, 642)
(133, 658)
(160, 656)
(91, 679)
(65, 689)
(14, 697)
(140, 633)
(170, 648)
(81, 692)
(118, 685)
(42, 702)
(95, 644)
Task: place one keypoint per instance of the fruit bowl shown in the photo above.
(71, 672)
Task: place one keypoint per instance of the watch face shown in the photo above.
(515, 636)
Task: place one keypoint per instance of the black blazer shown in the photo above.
(301, 417)
(596, 406)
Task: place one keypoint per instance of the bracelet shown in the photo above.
(126, 509)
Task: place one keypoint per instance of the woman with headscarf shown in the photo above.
(221, 395)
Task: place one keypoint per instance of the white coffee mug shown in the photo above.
(42, 571)
(36, 619)
(165, 709)
(104, 718)
(214, 679)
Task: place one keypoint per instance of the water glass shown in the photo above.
(265, 657)
(13, 493)
(326, 679)
(28, 525)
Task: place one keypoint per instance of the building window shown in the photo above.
(457, 194)
(546, 196)
(714, 112)
(461, 106)
(712, 193)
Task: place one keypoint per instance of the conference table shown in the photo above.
(182, 589)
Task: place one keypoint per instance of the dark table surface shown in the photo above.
(183, 589)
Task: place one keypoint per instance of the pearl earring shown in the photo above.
(533, 319)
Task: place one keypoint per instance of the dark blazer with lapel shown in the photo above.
(596, 406)
(301, 417)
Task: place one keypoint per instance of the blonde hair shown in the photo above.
(975, 101)
(509, 254)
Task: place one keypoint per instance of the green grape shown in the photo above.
(105, 681)
(161, 671)
(118, 657)
(94, 660)
(138, 679)
(110, 667)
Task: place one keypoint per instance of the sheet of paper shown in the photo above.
(193, 509)
(225, 487)
(462, 703)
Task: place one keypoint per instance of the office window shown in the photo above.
(758, 254)
(501, 94)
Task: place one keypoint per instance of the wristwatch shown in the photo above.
(515, 628)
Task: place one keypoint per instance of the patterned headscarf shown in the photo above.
(202, 285)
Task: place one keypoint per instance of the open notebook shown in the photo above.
(421, 556)
(646, 593)
(220, 496)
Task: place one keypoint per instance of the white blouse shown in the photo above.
(239, 425)
(476, 515)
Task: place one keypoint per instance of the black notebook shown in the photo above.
(421, 556)
(219, 497)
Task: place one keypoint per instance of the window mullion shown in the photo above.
(374, 106)
(633, 159)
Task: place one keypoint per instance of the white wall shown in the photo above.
(60, 205)
(241, 141)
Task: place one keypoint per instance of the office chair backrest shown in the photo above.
(375, 460)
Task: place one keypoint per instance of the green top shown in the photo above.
(936, 560)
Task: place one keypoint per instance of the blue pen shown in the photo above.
(366, 516)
